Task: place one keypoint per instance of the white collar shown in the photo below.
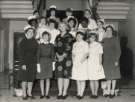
(43, 42)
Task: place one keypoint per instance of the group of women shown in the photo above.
(74, 50)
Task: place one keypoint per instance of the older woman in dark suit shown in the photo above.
(28, 52)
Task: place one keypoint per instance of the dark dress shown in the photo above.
(111, 48)
(45, 58)
(28, 53)
(63, 45)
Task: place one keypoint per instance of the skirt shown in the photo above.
(29, 74)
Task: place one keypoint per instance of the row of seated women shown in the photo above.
(78, 51)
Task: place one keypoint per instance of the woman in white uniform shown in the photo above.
(95, 68)
(79, 56)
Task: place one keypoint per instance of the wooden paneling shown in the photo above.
(23, 8)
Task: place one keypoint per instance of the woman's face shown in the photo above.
(92, 38)
(109, 32)
(29, 34)
(63, 27)
(43, 22)
(79, 37)
(84, 24)
(68, 14)
(46, 37)
(52, 25)
(87, 14)
(53, 13)
(33, 23)
(71, 23)
(100, 25)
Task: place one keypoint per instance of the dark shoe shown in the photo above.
(81, 97)
(25, 98)
(92, 96)
(42, 96)
(47, 97)
(105, 95)
(31, 97)
(64, 97)
(95, 96)
(111, 96)
(77, 96)
(59, 97)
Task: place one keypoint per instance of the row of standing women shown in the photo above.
(73, 51)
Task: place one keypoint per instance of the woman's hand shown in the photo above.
(116, 64)
(38, 68)
(24, 67)
(60, 58)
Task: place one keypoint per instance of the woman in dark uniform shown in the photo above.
(28, 53)
(111, 48)
(45, 59)
(63, 48)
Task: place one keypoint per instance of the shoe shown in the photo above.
(81, 97)
(105, 95)
(47, 97)
(77, 96)
(25, 98)
(92, 96)
(111, 96)
(59, 97)
(31, 97)
(64, 97)
(95, 96)
(42, 96)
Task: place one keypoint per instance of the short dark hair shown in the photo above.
(93, 34)
(84, 19)
(29, 29)
(53, 21)
(80, 33)
(114, 33)
(109, 26)
(42, 17)
(72, 19)
(46, 33)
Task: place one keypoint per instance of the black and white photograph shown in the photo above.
(67, 50)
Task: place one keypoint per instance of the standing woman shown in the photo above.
(92, 25)
(52, 29)
(63, 48)
(79, 56)
(28, 51)
(72, 22)
(95, 68)
(101, 30)
(33, 21)
(42, 26)
(45, 58)
(111, 57)
(53, 13)
(69, 13)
